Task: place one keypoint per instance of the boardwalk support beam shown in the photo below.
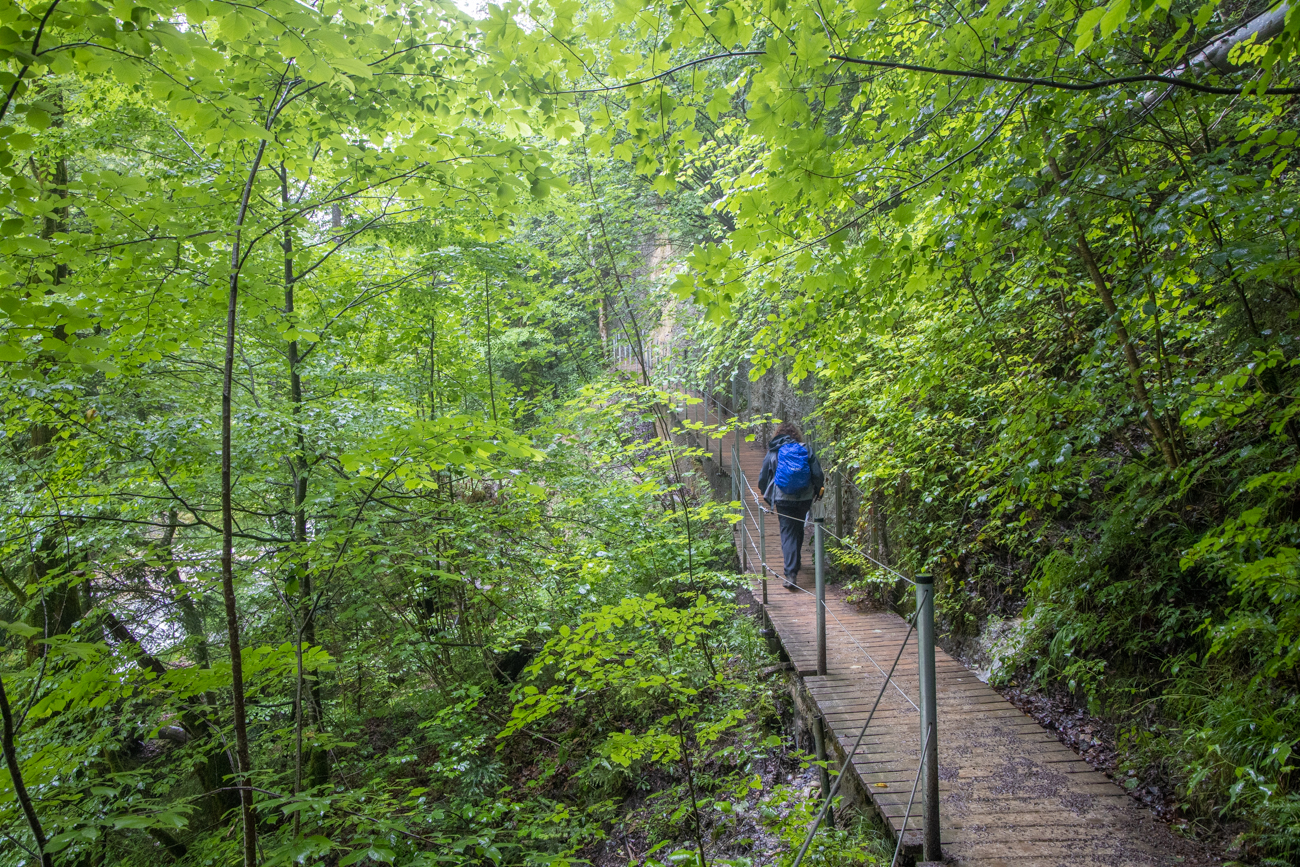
(819, 554)
(929, 714)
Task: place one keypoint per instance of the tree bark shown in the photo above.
(1154, 425)
(60, 606)
(191, 618)
(1261, 28)
(242, 755)
(602, 323)
(433, 367)
(301, 471)
(16, 777)
(487, 317)
(216, 766)
(197, 719)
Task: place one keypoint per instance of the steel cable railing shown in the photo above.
(924, 614)
(911, 799)
(857, 745)
(862, 497)
(719, 411)
(852, 638)
(855, 549)
(863, 650)
(839, 539)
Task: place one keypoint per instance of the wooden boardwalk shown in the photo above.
(1010, 792)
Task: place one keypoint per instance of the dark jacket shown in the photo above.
(768, 472)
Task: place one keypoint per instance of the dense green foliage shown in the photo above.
(318, 515)
(1049, 299)
(293, 490)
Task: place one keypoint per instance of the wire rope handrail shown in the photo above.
(925, 647)
(911, 799)
(867, 556)
(762, 561)
(758, 501)
(857, 745)
(855, 548)
(864, 651)
(719, 410)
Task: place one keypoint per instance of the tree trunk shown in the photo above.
(191, 617)
(216, 767)
(434, 410)
(487, 317)
(301, 472)
(602, 323)
(16, 779)
(1154, 425)
(228, 532)
(60, 605)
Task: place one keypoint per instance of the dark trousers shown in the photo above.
(792, 514)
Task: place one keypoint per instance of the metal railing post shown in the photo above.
(735, 466)
(819, 559)
(744, 547)
(839, 503)
(819, 738)
(762, 544)
(717, 406)
(929, 711)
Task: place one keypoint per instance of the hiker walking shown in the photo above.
(790, 480)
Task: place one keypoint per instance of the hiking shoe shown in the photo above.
(790, 585)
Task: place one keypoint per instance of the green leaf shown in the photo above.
(59, 842)
(136, 822)
(235, 26)
(351, 65)
(207, 58)
(376, 852)
(127, 71)
(1115, 15)
(22, 630)
(1084, 29)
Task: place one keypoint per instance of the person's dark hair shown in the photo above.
(788, 429)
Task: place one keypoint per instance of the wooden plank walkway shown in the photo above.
(1010, 792)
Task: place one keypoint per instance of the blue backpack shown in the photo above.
(793, 470)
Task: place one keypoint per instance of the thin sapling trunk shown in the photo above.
(16, 779)
(242, 754)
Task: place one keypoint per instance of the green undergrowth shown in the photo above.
(1177, 631)
(1060, 367)
(856, 840)
(573, 680)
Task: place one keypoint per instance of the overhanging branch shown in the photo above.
(1261, 28)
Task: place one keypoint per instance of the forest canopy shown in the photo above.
(343, 346)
